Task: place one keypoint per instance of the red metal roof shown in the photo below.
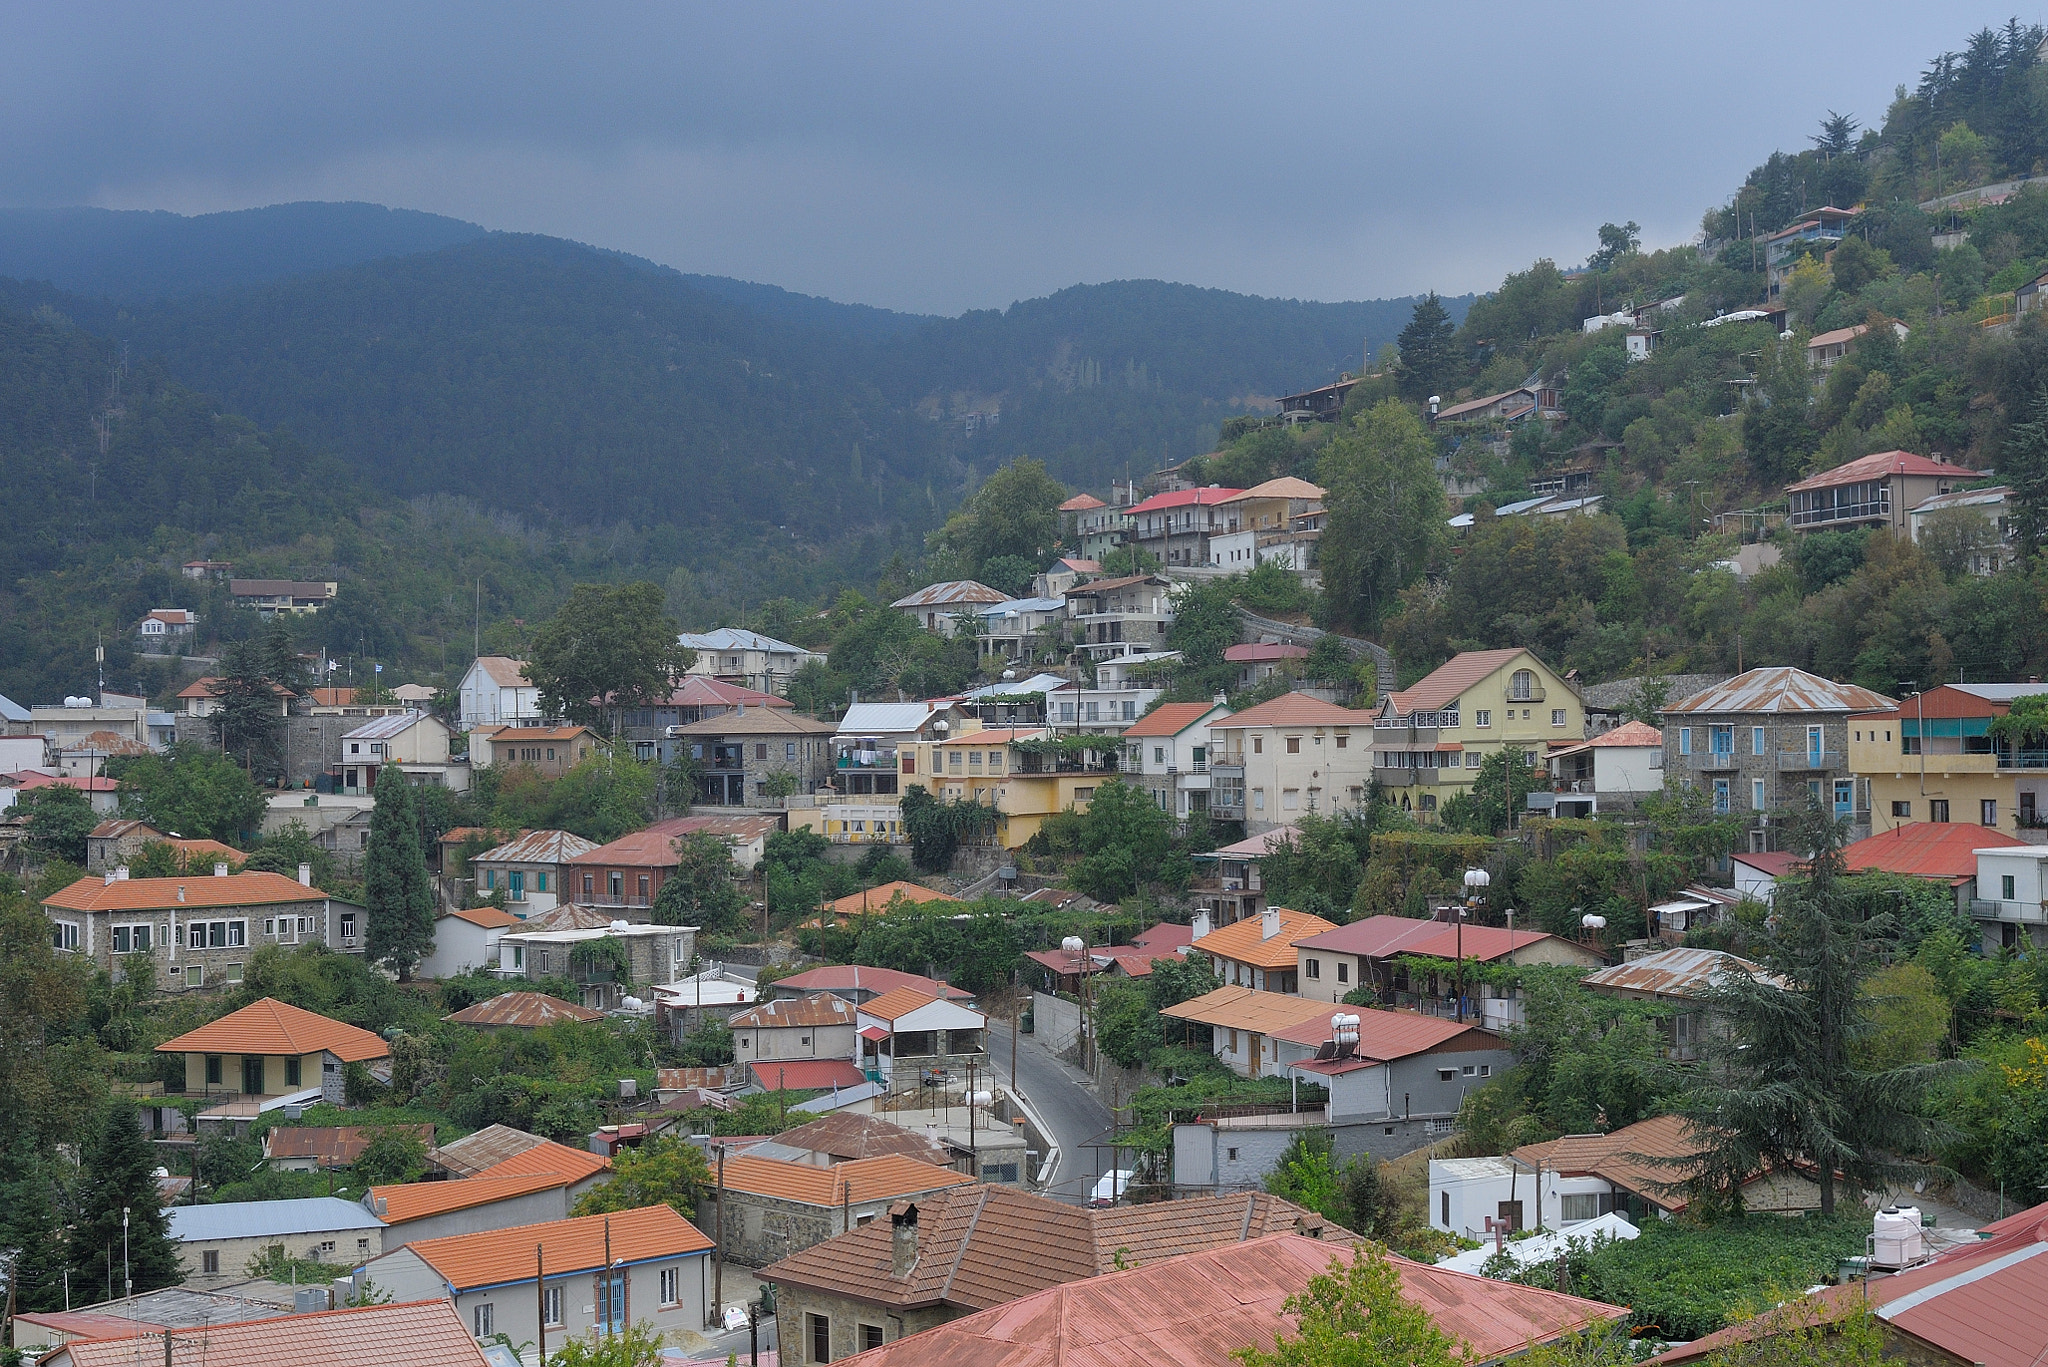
(1878, 466)
(1257, 652)
(854, 978)
(806, 1074)
(1183, 498)
(410, 1334)
(1196, 1309)
(1379, 937)
(1926, 849)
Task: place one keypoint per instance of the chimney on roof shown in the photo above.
(305, 875)
(110, 878)
(181, 892)
(902, 1241)
(1269, 923)
(220, 870)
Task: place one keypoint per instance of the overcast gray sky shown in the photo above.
(946, 156)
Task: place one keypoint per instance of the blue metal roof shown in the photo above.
(267, 1219)
(737, 638)
(11, 710)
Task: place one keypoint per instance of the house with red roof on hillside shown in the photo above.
(1879, 490)
(1616, 770)
(1178, 526)
(1430, 740)
(1167, 753)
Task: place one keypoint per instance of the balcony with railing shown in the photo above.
(1803, 761)
(1711, 759)
(2022, 759)
(2028, 912)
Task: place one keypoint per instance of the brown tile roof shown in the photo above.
(1449, 680)
(504, 671)
(1242, 941)
(1392, 1034)
(1623, 1157)
(983, 1245)
(334, 1146)
(855, 978)
(189, 848)
(1081, 503)
(896, 1003)
(761, 721)
(1246, 1008)
(1195, 1310)
(878, 899)
(519, 734)
(655, 846)
(1169, 719)
(490, 918)
(499, 1256)
(272, 1027)
(843, 1136)
(114, 830)
(1295, 709)
(410, 1334)
(200, 892)
(820, 1008)
(863, 1179)
(1287, 486)
(523, 1009)
(473, 1153)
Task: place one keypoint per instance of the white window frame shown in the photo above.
(672, 1285)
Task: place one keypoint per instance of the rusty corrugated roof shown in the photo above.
(820, 1008)
(408, 1334)
(1780, 689)
(537, 847)
(334, 1146)
(529, 1009)
(951, 593)
(1682, 972)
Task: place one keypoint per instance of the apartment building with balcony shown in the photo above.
(532, 871)
(1932, 757)
(735, 655)
(1097, 527)
(626, 875)
(1770, 741)
(739, 752)
(1020, 630)
(1126, 616)
(1178, 526)
(1784, 248)
(2010, 904)
(1167, 754)
(1879, 490)
(1026, 773)
(1429, 740)
(1280, 521)
(1293, 755)
(652, 954)
(876, 743)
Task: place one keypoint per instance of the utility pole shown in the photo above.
(604, 1299)
(540, 1295)
(718, 1274)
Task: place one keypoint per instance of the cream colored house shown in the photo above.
(1293, 755)
(1429, 741)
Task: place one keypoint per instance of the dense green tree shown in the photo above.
(119, 1187)
(248, 714)
(1124, 838)
(2023, 466)
(47, 1076)
(31, 1230)
(608, 648)
(1616, 241)
(1429, 356)
(1316, 869)
(667, 1171)
(1355, 1315)
(1386, 513)
(1783, 1083)
(703, 891)
(1015, 513)
(1205, 624)
(396, 889)
(58, 819)
(395, 1154)
(189, 791)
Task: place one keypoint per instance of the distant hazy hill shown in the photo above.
(133, 254)
(565, 381)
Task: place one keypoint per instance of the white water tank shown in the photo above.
(619, 927)
(1896, 1238)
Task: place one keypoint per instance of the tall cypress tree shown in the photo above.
(395, 883)
(1428, 354)
(120, 1174)
(31, 1232)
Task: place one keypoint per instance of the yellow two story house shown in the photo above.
(1933, 758)
(1429, 740)
(1027, 773)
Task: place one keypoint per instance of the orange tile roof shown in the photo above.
(399, 1203)
(1081, 503)
(272, 1027)
(1169, 719)
(501, 1256)
(1247, 1008)
(897, 1002)
(1295, 709)
(522, 1008)
(490, 918)
(820, 1008)
(542, 733)
(1449, 680)
(188, 848)
(862, 1180)
(409, 1334)
(201, 892)
(1287, 486)
(1242, 941)
(550, 1157)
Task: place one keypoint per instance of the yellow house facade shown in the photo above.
(1933, 758)
(1011, 769)
(1430, 739)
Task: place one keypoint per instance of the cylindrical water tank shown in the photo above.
(1896, 1240)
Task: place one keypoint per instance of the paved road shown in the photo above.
(1059, 1095)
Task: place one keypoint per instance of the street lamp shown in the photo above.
(1476, 883)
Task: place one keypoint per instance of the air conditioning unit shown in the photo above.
(348, 941)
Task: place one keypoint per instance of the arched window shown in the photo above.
(1522, 688)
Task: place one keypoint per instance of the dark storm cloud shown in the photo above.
(944, 157)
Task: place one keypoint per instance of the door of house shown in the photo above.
(1845, 798)
(1816, 745)
(611, 1302)
(1511, 1214)
(252, 1074)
